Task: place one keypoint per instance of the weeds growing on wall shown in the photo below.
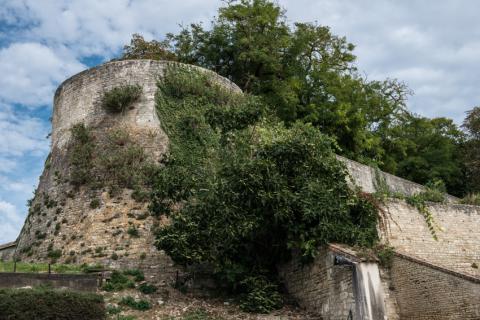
(113, 161)
(471, 198)
(121, 98)
(434, 192)
(242, 190)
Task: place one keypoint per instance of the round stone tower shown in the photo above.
(81, 224)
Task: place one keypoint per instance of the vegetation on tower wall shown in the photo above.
(242, 190)
(112, 161)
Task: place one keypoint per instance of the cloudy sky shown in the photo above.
(431, 45)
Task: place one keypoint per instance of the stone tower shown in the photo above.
(62, 223)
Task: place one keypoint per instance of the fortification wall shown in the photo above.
(7, 251)
(427, 293)
(321, 286)
(458, 232)
(367, 177)
(63, 218)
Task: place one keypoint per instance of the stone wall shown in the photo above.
(424, 292)
(367, 178)
(63, 219)
(458, 232)
(7, 251)
(82, 282)
(321, 286)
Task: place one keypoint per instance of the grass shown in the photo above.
(472, 198)
(7, 266)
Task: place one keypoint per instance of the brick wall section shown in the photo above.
(426, 293)
(458, 245)
(321, 286)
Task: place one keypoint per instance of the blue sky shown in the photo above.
(433, 46)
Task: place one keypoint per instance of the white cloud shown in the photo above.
(21, 135)
(10, 222)
(31, 71)
(92, 27)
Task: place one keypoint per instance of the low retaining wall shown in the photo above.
(7, 251)
(321, 286)
(458, 244)
(80, 282)
(426, 292)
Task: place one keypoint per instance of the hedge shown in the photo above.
(46, 304)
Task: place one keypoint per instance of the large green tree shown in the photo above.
(306, 73)
(472, 149)
(423, 150)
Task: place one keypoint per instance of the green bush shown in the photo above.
(133, 232)
(120, 98)
(385, 255)
(137, 274)
(118, 281)
(135, 304)
(261, 295)
(45, 304)
(146, 288)
(94, 204)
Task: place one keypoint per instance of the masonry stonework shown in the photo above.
(321, 286)
(426, 293)
(63, 224)
(458, 232)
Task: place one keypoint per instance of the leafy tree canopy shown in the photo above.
(304, 72)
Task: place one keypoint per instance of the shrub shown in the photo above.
(137, 274)
(261, 295)
(54, 254)
(133, 232)
(114, 256)
(120, 98)
(385, 255)
(46, 304)
(80, 155)
(135, 304)
(118, 281)
(146, 288)
(94, 204)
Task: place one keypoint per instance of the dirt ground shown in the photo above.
(171, 304)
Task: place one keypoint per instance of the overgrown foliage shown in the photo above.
(241, 189)
(47, 304)
(471, 198)
(435, 191)
(140, 304)
(113, 161)
(121, 98)
(121, 280)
